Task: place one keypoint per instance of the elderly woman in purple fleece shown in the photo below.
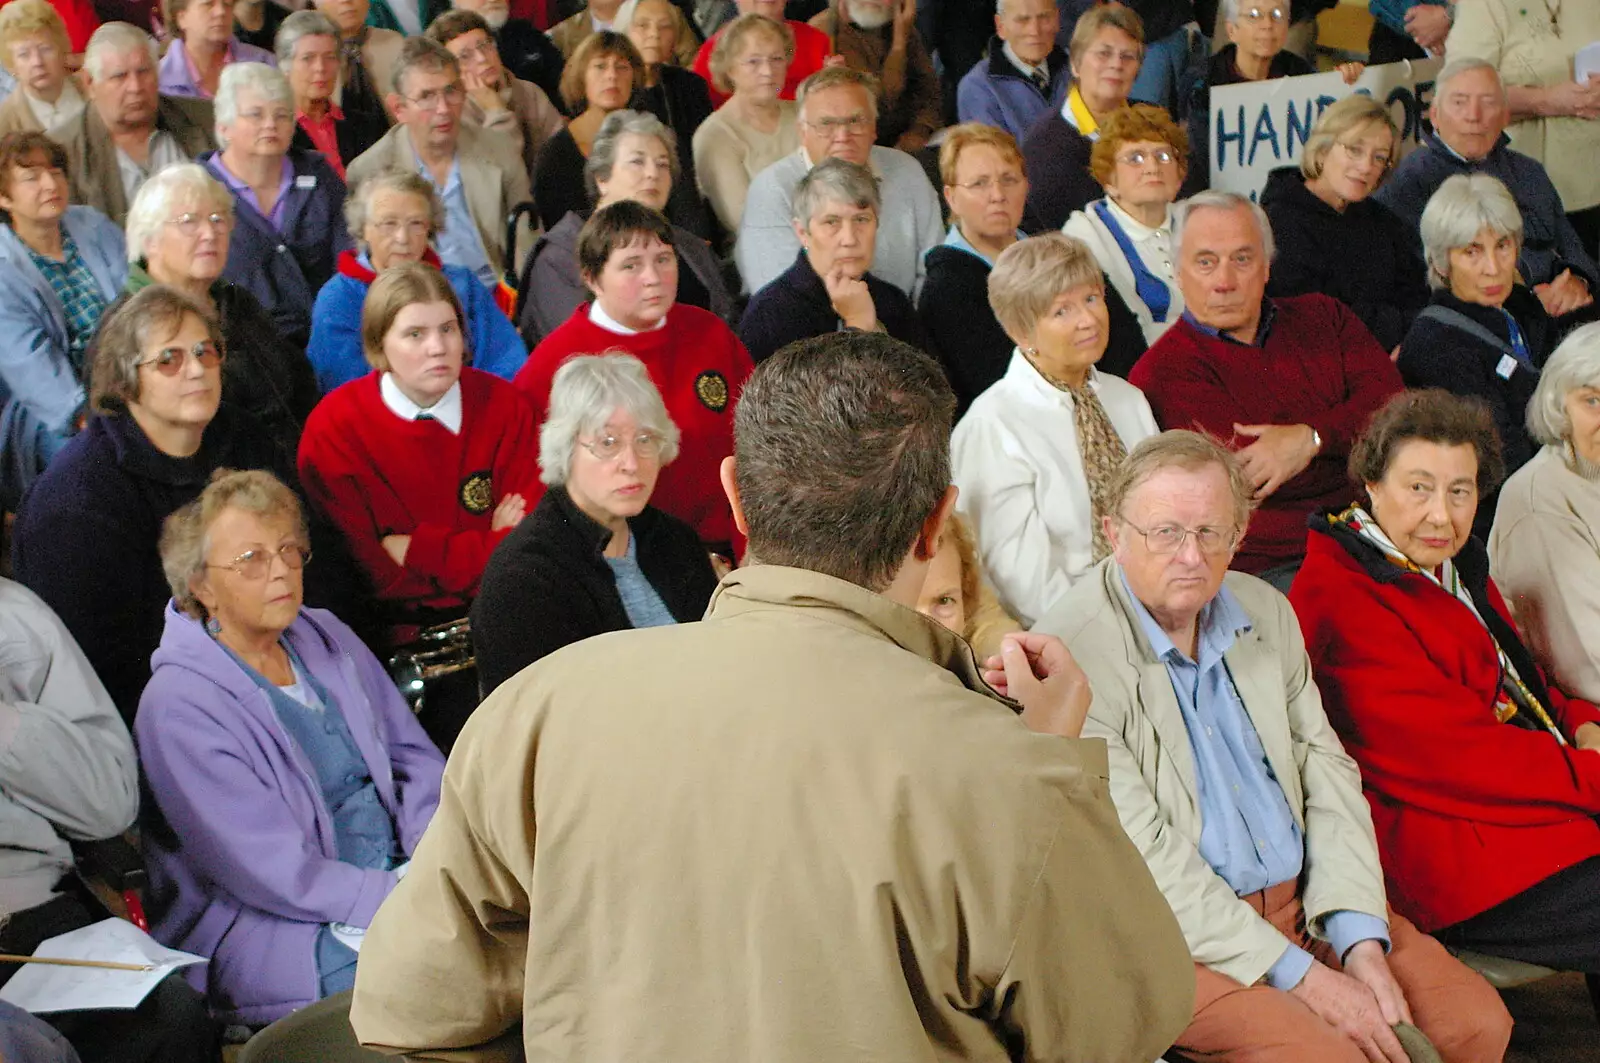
(291, 781)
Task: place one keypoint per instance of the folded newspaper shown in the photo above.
(43, 988)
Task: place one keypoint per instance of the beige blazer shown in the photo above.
(528, 120)
(92, 168)
(1544, 553)
(493, 179)
(17, 117)
(1153, 773)
(798, 831)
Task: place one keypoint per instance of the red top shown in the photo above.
(324, 136)
(534, 11)
(1320, 367)
(699, 366)
(811, 49)
(376, 474)
(1469, 811)
(80, 19)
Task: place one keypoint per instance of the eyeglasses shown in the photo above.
(1256, 14)
(855, 125)
(189, 224)
(24, 53)
(1106, 53)
(452, 94)
(388, 227)
(646, 445)
(1139, 158)
(753, 63)
(486, 50)
(256, 115)
(257, 564)
(1169, 538)
(169, 360)
(1008, 182)
(1359, 154)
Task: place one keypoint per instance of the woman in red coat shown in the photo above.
(1484, 781)
(424, 465)
(625, 256)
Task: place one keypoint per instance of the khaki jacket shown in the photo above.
(92, 170)
(1153, 773)
(492, 177)
(526, 122)
(799, 830)
(17, 117)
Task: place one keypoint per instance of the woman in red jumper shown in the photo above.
(626, 259)
(424, 465)
(1484, 780)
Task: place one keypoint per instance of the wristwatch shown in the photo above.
(1316, 439)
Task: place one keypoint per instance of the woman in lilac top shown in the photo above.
(202, 45)
(290, 781)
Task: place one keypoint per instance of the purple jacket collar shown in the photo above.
(176, 74)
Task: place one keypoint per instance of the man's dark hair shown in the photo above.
(614, 227)
(842, 444)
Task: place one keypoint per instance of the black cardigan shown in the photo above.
(681, 100)
(547, 585)
(795, 306)
(1366, 257)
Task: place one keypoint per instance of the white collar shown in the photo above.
(872, 161)
(1021, 64)
(1137, 229)
(447, 411)
(611, 324)
(599, 26)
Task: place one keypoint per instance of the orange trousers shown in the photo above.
(1460, 1012)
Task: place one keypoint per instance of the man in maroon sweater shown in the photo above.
(1289, 383)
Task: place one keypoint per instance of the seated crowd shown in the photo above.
(1101, 616)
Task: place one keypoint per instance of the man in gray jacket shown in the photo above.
(68, 773)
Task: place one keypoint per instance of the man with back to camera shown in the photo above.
(804, 828)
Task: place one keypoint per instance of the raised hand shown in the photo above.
(1039, 673)
(509, 513)
(851, 299)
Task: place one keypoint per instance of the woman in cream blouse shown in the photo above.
(1035, 452)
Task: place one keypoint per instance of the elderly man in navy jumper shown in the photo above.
(1025, 72)
(1469, 116)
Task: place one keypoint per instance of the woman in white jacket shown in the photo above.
(1035, 452)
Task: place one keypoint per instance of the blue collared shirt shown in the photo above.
(1263, 327)
(954, 239)
(459, 244)
(1248, 833)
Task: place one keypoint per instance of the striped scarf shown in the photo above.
(1513, 695)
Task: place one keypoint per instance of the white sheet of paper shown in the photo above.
(1586, 63)
(41, 988)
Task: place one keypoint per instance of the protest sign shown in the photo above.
(1256, 127)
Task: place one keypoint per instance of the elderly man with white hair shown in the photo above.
(1543, 549)
(839, 119)
(129, 130)
(1289, 383)
(1230, 781)
(288, 203)
(1023, 72)
(1469, 114)
(594, 555)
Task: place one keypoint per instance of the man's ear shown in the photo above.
(730, 487)
(394, 101)
(933, 527)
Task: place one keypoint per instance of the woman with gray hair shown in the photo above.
(287, 202)
(289, 781)
(1036, 454)
(1543, 548)
(1483, 333)
(308, 53)
(830, 286)
(634, 157)
(178, 233)
(594, 556)
(393, 218)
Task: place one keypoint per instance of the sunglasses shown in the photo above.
(169, 361)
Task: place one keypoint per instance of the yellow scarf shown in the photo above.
(1080, 114)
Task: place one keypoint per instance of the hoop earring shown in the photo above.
(213, 626)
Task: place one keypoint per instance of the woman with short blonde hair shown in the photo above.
(288, 779)
(34, 50)
(595, 555)
(1036, 453)
(424, 465)
(1324, 219)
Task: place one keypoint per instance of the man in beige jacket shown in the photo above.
(801, 830)
(1230, 780)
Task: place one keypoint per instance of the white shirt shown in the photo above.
(68, 106)
(1015, 457)
(611, 324)
(1154, 248)
(1025, 67)
(163, 151)
(447, 411)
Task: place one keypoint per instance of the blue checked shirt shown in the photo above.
(80, 296)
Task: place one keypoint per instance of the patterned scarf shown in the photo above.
(1514, 695)
(1101, 448)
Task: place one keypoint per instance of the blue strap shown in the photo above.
(1519, 343)
(1152, 291)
